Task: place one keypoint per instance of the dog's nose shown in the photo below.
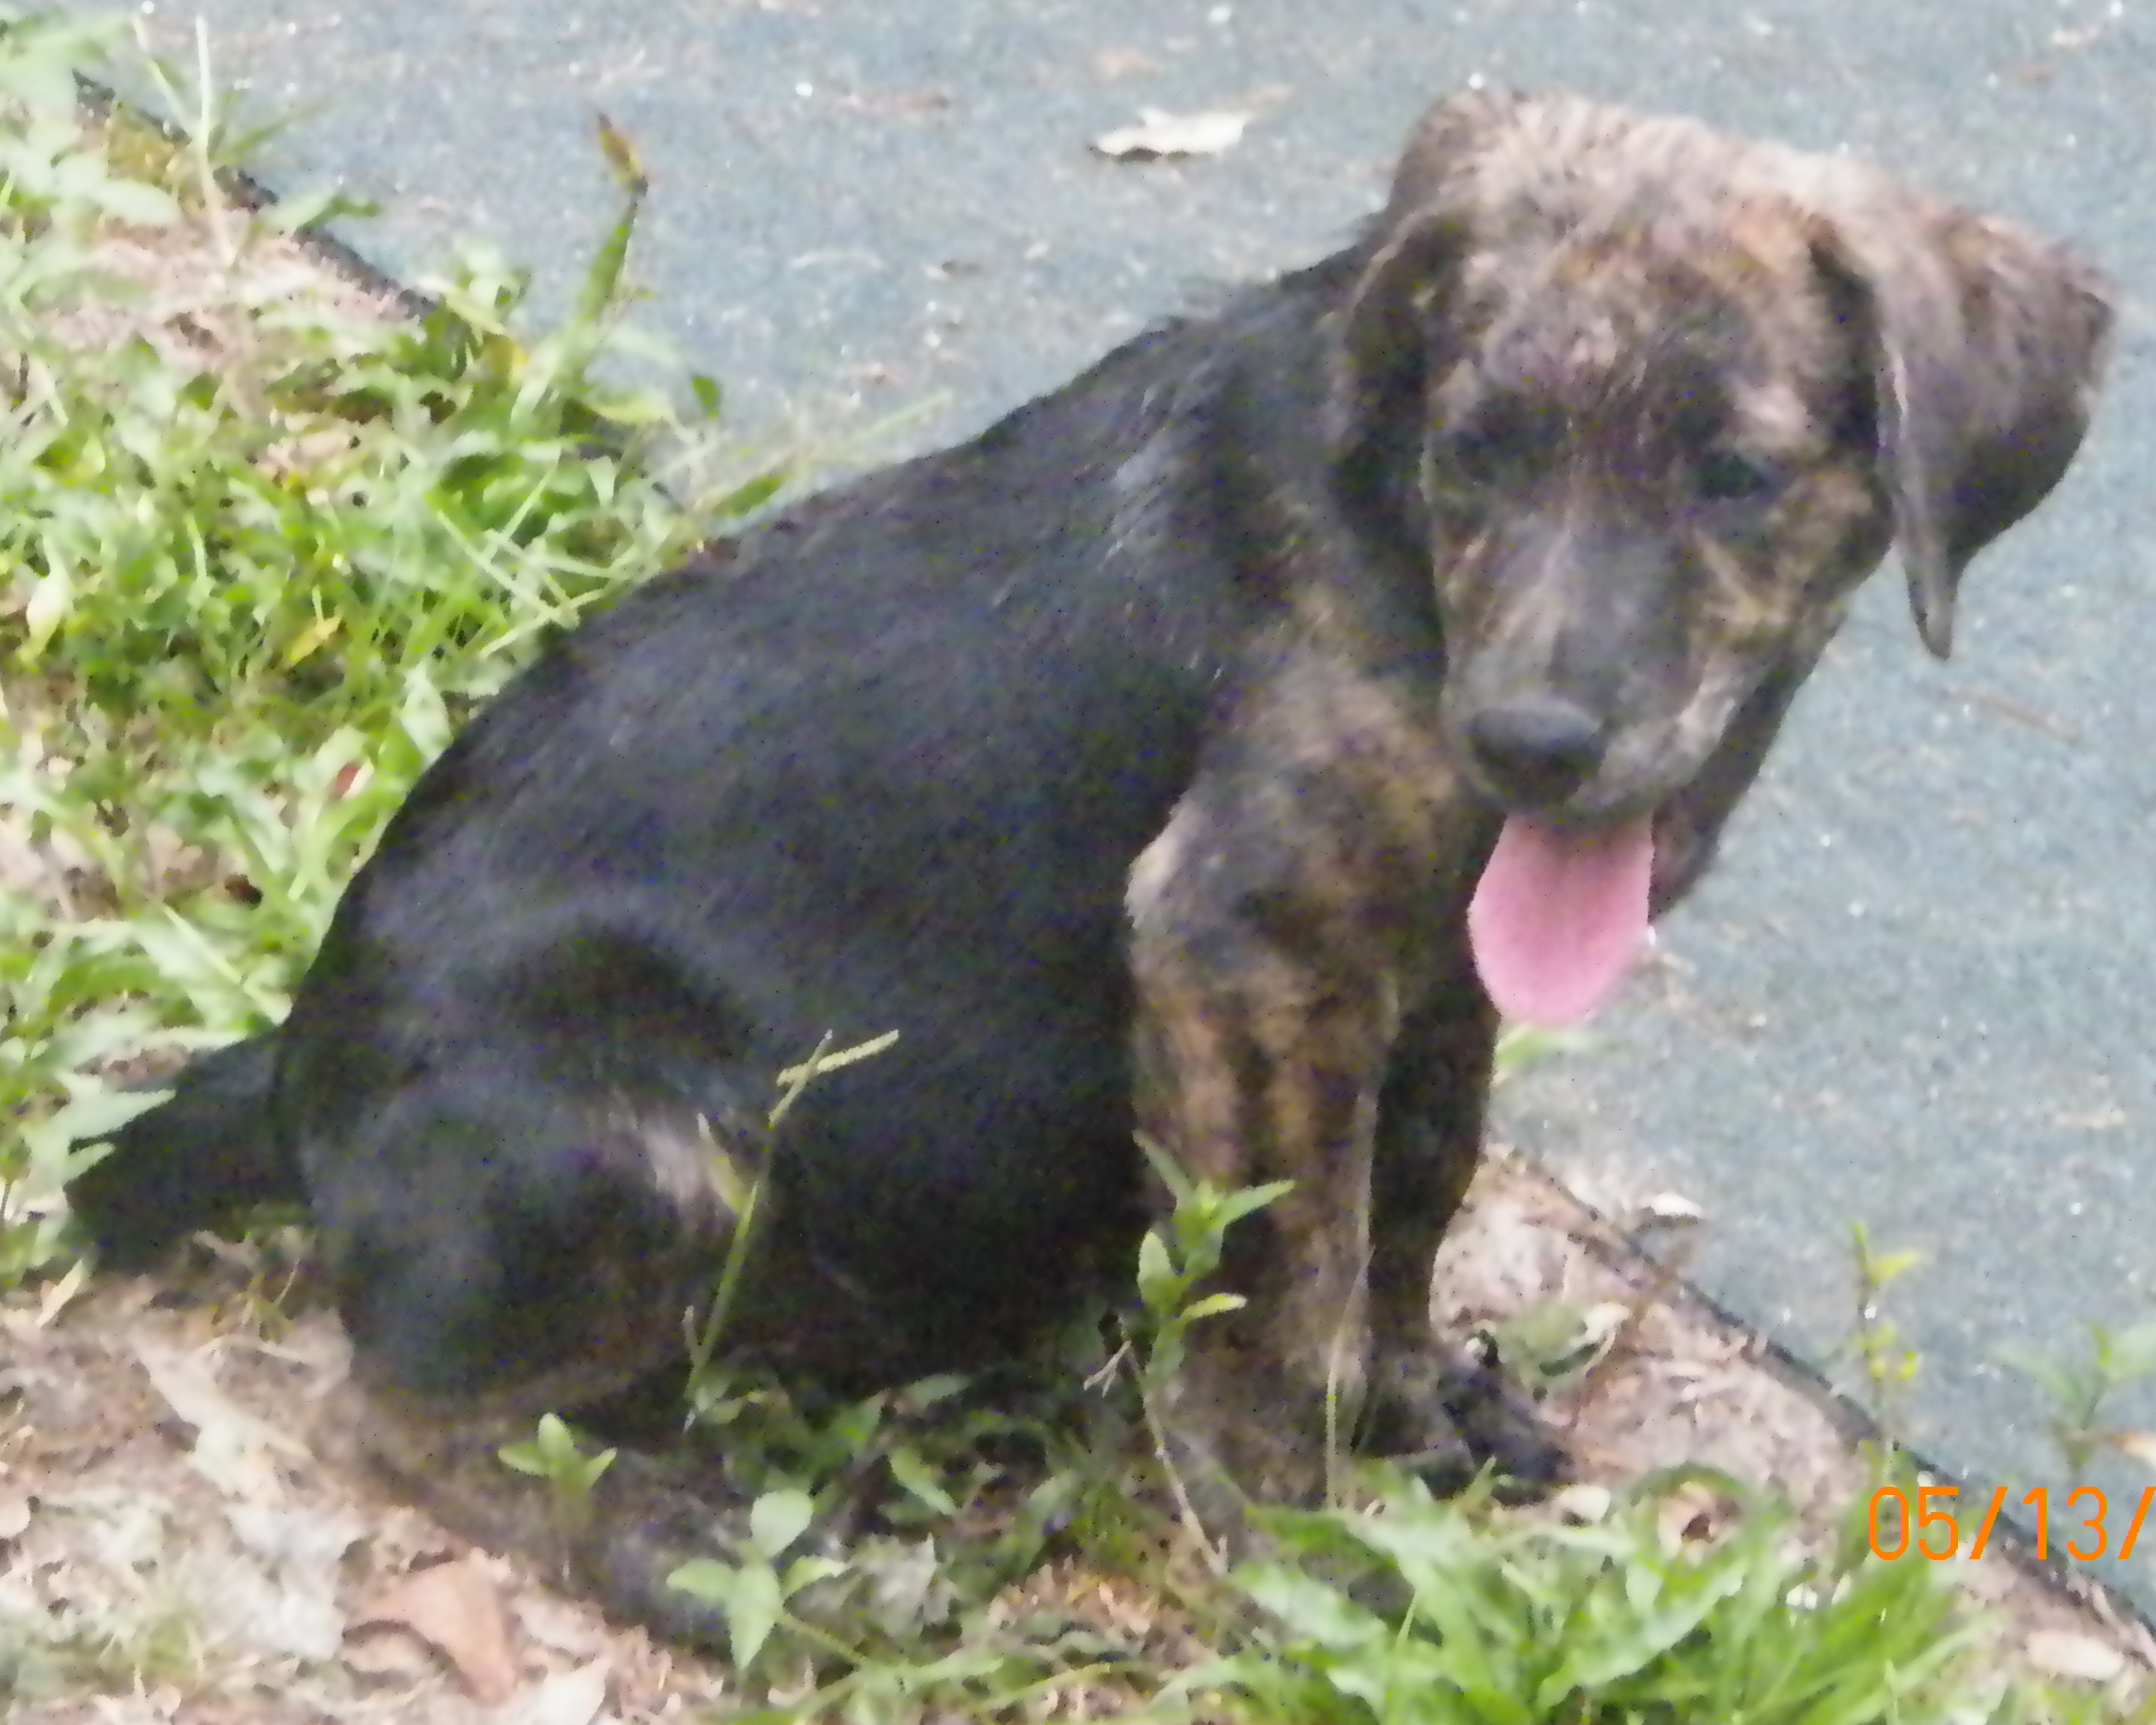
(1539, 749)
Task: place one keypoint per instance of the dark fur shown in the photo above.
(1183, 704)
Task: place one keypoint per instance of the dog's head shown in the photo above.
(1653, 403)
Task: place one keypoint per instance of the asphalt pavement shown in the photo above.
(1915, 993)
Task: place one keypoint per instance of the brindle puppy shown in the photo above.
(1273, 697)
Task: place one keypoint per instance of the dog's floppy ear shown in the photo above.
(1986, 344)
(1446, 137)
(1387, 322)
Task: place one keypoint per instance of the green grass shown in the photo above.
(255, 567)
(253, 583)
(47, 1656)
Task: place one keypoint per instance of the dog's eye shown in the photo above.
(1727, 475)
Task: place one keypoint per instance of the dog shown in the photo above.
(1211, 750)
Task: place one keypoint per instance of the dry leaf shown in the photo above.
(232, 1448)
(14, 1513)
(56, 1299)
(261, 1608)
(1672, 1207)
(557, 1626)
(566, 1698)
(389, 1651)
(278, 1593)
(1585, 1503)
(1159, 134)
(2140, 1446)
(2062, 1653)
(1689, 1513)
(457, 1610)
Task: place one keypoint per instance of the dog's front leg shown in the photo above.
(1266, 1011)
(1436, 1406)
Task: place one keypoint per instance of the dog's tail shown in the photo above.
(208, 1152)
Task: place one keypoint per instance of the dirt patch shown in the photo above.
(164, 1506)
(166, 1514)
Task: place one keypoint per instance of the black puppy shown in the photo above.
(1169, 756)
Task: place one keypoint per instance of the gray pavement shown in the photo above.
(1916, 993)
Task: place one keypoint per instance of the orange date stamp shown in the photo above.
(1897, 1517)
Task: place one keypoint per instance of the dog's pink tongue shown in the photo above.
(1558, 917)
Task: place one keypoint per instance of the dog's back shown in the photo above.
(657, 870)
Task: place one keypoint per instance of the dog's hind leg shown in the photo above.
(506, 1244)
(492, 1232)
(205, 1154)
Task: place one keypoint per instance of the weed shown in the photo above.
(130, 1618)
(924, 1505)
(1175, 1258)
(552, 1454)
(1887, 1365)
(1551, 1345)
(1497, 1617)
(742, 1194)
(753, 1592)
(2080, 1392)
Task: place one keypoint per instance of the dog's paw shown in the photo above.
(1448, 1413)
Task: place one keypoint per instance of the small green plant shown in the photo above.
(885, 1531)
(1177, 1256)
(553, 1454)
(1887, 1364)
(134, 1622)
(753, 1592)
(1419, 1608)
(1551, 1344)
(2079, 1391)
